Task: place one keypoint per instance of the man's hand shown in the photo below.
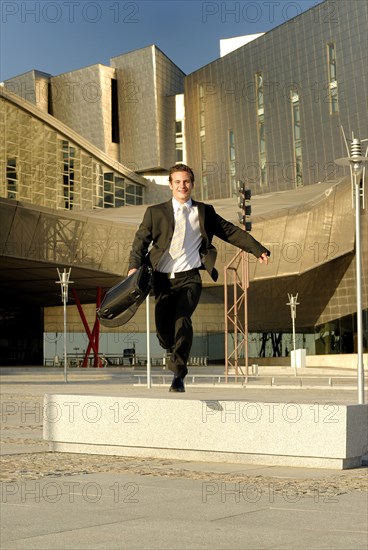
(131, 271)
(263, 258)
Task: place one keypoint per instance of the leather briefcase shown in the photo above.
(121, 302)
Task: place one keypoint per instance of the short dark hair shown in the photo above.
(181, 168)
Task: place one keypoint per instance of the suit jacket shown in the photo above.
(157, 228)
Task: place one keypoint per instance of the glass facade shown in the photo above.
(249, 91)
(44, 167)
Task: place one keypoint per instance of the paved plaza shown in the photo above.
(71, 501)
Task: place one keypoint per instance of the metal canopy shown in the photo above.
(305, 229)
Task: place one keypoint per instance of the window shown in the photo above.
(114, 111)
(108, 190)
(98, 185)
(11, 178)
(331, 63)
(202, 142)
(68, 154)
(332, 78)
(261, 130)
(232, 165)
(295, 106)
(133, 194)
(179, 141)
(117, 192)
(202, 129)
(260, 101)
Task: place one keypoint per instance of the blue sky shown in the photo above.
(57, 36)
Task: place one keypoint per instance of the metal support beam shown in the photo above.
(236, 283)
(93, 336)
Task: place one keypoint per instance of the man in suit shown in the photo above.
(176, 256)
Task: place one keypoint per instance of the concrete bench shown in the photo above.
(291, 434)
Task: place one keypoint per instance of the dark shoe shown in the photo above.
(177, 385)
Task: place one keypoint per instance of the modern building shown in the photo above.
(270, 112)
(84, 152)
(128, 111)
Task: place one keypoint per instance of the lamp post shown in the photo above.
(64, 283)
(293, 303)
(148, 343)
(356, 162)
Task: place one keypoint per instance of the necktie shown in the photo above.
(177, 242)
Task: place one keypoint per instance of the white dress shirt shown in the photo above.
(190, 258)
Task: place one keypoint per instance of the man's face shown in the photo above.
(181, 186)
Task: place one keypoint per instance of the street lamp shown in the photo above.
(64, 282)
(149, 380)
(293, 303)
(356, 162)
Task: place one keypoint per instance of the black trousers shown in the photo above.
(176, 300)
